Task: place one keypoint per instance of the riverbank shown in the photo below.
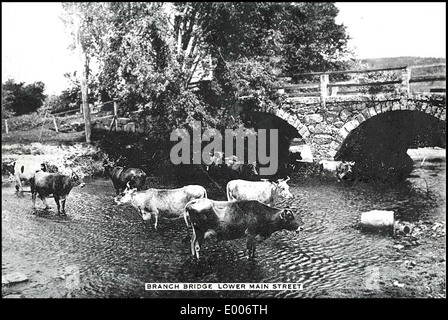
(427, 154)
(68, 152)
(84, 159)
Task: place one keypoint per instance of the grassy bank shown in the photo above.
(68, 151)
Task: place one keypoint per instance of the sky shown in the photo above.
(35, 43)
(395, 29)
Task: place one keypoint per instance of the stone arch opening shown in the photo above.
(379, 144)
(287, 133)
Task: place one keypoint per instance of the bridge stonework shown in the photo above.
(324, 126)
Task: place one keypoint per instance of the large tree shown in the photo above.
(147, 53)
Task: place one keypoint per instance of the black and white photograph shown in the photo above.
(232, 152)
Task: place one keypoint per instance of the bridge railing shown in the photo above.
(367, 82)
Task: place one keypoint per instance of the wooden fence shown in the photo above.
(325, 88)
(95, 117)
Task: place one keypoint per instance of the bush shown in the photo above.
(18, 98)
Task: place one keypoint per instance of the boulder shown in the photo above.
(14, 277)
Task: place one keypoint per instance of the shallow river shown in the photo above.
(101, 250)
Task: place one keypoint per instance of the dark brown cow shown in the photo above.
(120, 176)
(339, 168)
(229, 220)
(240, 167)
(56, 184)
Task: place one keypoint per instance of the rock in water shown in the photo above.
(14, 277)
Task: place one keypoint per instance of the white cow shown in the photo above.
(264, 191)
(166, 203)
(24, 169)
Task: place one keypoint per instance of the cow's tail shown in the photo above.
(187, 215)
(193, 241)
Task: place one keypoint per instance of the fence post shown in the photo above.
(324, 80)
(116, 114)
(55, 124)
(6, 126)
(42, 128)
(114, 119)
(405, 77)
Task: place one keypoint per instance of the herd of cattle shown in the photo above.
(247, 212)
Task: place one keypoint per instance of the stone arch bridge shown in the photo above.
(324, 115)
(324, 127)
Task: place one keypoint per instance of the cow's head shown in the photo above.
(289, 221)
(76, 180)
(253, 167)
(107, 166)
(126, 196)
(229, 161)
(345, 168)
(282, 188)
(8, 167)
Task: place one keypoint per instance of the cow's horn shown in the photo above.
(128, 185)
(287, 178)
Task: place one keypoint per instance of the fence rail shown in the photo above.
(324, 88)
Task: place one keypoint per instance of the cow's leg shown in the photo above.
(19, 187)
(155, 214)
(44, 201)
(33, 198)
(116, 187)
(250, 245)
(193, 242)
(196, 242)
(63, 198)
(56, 199)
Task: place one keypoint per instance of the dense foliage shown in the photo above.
(18, 98)
(147, 54)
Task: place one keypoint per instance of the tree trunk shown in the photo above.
(83, 74)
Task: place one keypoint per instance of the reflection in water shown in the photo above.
(104, 250)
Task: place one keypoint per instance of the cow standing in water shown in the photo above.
(341, 169)
(229, 220)
(24, 169)
(239, 168)
(120, 176)
(56, 184)
(166, 203)
(264, 191)
(230, 165)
